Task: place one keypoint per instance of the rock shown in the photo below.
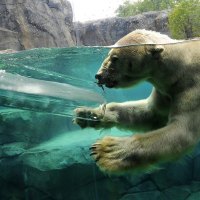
(62, 151)
(108, 31)
(7, 51)
(26, 24)
(11, 179)
(153, 195)
(28, 128)
(143, 187)
(194, 196)
(13, 149)
(9, 39)
(64, 162)
(32, 24)
(177, 192)
(173, 174)
(58, 167)
(195, 185)
(196, 168)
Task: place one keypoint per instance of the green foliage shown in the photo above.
(140, 6)
(184, 20)
(127, 9)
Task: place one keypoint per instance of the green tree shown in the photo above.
(184, 20)
(127, 9)
(140, 6)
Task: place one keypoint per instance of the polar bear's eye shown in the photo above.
(130, 66)
(114, 58)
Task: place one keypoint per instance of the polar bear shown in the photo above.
(169, 117)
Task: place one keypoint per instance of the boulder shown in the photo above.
(108, 31)
(26, 24)
(9, 39)
(30, 24)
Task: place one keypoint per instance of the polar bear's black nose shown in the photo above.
(98, 77)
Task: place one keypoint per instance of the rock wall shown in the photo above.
(108, 31)
(26, 24)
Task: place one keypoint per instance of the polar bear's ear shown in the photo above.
(155, 50)
(158, 48)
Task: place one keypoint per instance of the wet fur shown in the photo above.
(169, 117)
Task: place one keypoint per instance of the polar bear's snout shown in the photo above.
(98, 77)
(106, 79)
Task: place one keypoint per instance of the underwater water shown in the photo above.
(43, 155)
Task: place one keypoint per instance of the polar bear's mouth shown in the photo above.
(108, 84)
(108, 80)
(111, 84)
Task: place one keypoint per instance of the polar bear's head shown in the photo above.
(125, 66)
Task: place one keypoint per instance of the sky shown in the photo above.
(86, 10)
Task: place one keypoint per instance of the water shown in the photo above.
(53, 80)
(40, 147)
(43, 155)
(47, 80)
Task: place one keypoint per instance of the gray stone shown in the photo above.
(108, 31)
(12, 149)
(9, 39)
(29, 128)
(62, 151)
(11, 171)
(153, 195)
(64, 162)
(178, 192)
(195, 186)
(143, 187)
(32, 24)
(60, 166)
(103, 188)
(196, 167)
(173, 174)
(26, 24)
(194, 196)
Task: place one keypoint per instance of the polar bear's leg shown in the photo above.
(122, 154)
(148, 114)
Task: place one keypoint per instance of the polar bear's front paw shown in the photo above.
(87, 117)
(115, 154)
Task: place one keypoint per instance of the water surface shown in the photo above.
(55, 80)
